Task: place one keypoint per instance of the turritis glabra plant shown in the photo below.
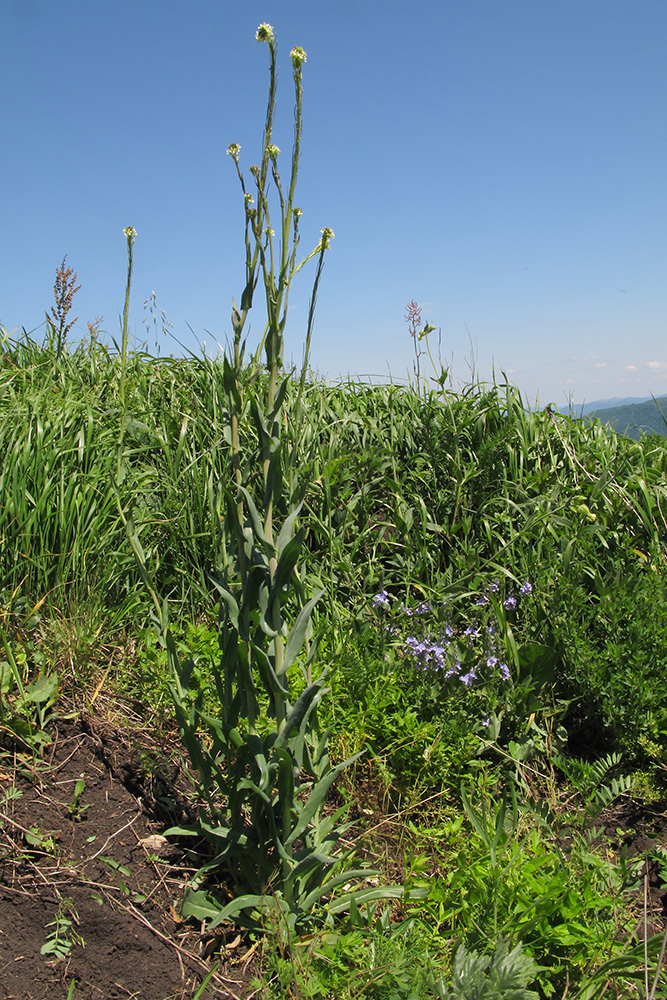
(263, 766)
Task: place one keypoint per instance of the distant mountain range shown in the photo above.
(632, 416)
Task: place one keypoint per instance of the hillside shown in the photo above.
(635, 419)
(590, 406)
(440, 616)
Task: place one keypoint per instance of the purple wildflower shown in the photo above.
(381, 598)
(469, 678)
(526, 589)
(491, 662)
(504, 671)
(510, 603)
(471, 633)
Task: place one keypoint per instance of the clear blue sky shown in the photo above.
(503, 162)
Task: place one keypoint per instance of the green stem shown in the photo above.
(130, 235)
(309, 333)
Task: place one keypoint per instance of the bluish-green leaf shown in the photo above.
(287, 529)
(317, 797)
(297, 635)
(296, 716)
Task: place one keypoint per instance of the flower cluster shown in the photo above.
(421, 609)
(455, 645)
(264, 33)
(298, 57)
(327, 234)
(381, 598)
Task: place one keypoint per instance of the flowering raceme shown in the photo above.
(265, 33)
(381, 598)
(470, 651)
(298, 57)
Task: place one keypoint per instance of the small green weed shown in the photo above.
(63, 935)
(26, 707)
(77, 809)
(375, 961)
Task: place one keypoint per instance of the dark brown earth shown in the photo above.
(100, 862)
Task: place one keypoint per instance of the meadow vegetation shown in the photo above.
(412, 639)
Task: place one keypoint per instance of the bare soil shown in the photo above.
(99, 861)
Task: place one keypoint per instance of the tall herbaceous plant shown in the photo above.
(263, 768)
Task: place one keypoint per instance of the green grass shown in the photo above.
(430, 499)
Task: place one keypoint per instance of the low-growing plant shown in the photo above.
(614, 660)
(370, 956)
(63, 935)
(505, 975)
(516, 871)
(465, 654)
(77, 809)
(26, 705)
(409, 755)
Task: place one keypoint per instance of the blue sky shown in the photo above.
(502, 162)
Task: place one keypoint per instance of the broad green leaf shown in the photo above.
(286, 564)
(256, 520)
(200, 905)
(287, 529)
(43, 689)
(297, 635)
(296, 716)
(537, 663)
(310, 863)
(251, 901)
(317, 797)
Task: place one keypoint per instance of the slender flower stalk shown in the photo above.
(278, 265)
(130, 235)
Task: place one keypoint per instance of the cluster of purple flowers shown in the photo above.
(469, 653)
(380, 599)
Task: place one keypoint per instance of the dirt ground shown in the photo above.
(89, 889)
